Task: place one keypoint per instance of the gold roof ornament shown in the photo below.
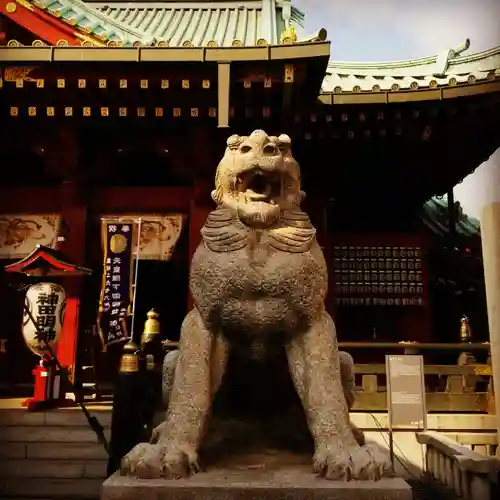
(151, 327)
(319, 36)
(288, 36)
(130, 358)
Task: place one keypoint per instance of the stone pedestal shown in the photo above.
(287, 483)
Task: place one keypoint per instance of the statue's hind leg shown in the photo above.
(200, 366)
(315, 369)
(349, 385)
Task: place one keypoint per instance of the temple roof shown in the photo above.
(197, 23)
(447, 68)
(435, 217)
(234, 23)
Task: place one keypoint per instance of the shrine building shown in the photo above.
(115, 114)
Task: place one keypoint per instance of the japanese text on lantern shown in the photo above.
(46, 304)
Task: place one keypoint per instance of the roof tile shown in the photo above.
(410, 75)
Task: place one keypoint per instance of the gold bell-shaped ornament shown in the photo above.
(130, 358)
(465, 330)
(151, 328)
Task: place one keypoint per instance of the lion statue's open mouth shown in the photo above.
(258, 178)
(259, 185)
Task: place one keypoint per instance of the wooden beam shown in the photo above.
(172, 54)
(224, 83)
(438, 402)
(442, 370)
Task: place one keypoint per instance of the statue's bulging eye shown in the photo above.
(245, 149)
(269, 150)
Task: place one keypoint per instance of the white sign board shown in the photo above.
(406, 391)
(46, 302)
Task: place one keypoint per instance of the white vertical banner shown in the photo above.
(136, 273)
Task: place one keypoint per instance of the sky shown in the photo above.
(392, 30)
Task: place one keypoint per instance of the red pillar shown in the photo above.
(64, 159)
(73, 247)
(201, 203)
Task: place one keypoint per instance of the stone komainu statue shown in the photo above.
(259, 345)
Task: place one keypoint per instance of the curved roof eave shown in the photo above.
(447, 68)
(90, 21)
(435, 216)
(167, 23)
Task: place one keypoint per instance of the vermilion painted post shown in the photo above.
(71, 243)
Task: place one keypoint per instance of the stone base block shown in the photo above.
(291, 483)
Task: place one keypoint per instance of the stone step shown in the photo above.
(53, 469)
(48, 434)
(71, 418)
(53, 451)
(55, 489)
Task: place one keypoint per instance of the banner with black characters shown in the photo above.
(116, 291)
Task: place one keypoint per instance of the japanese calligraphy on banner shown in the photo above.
(116, 292)
(159, 233)
(46, 302)
(21, 233)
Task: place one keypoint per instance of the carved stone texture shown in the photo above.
(258, 363)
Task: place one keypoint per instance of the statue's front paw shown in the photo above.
(168, 460)
(340, 463)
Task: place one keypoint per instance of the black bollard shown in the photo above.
(129, 402)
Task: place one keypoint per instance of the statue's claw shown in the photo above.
(337, 463)
(168, 460)
(179, 461)
(158, 432)
(130, 460)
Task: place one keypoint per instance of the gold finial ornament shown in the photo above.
(465, 330)
(130, 358)
(288, 36)
(151, 328)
